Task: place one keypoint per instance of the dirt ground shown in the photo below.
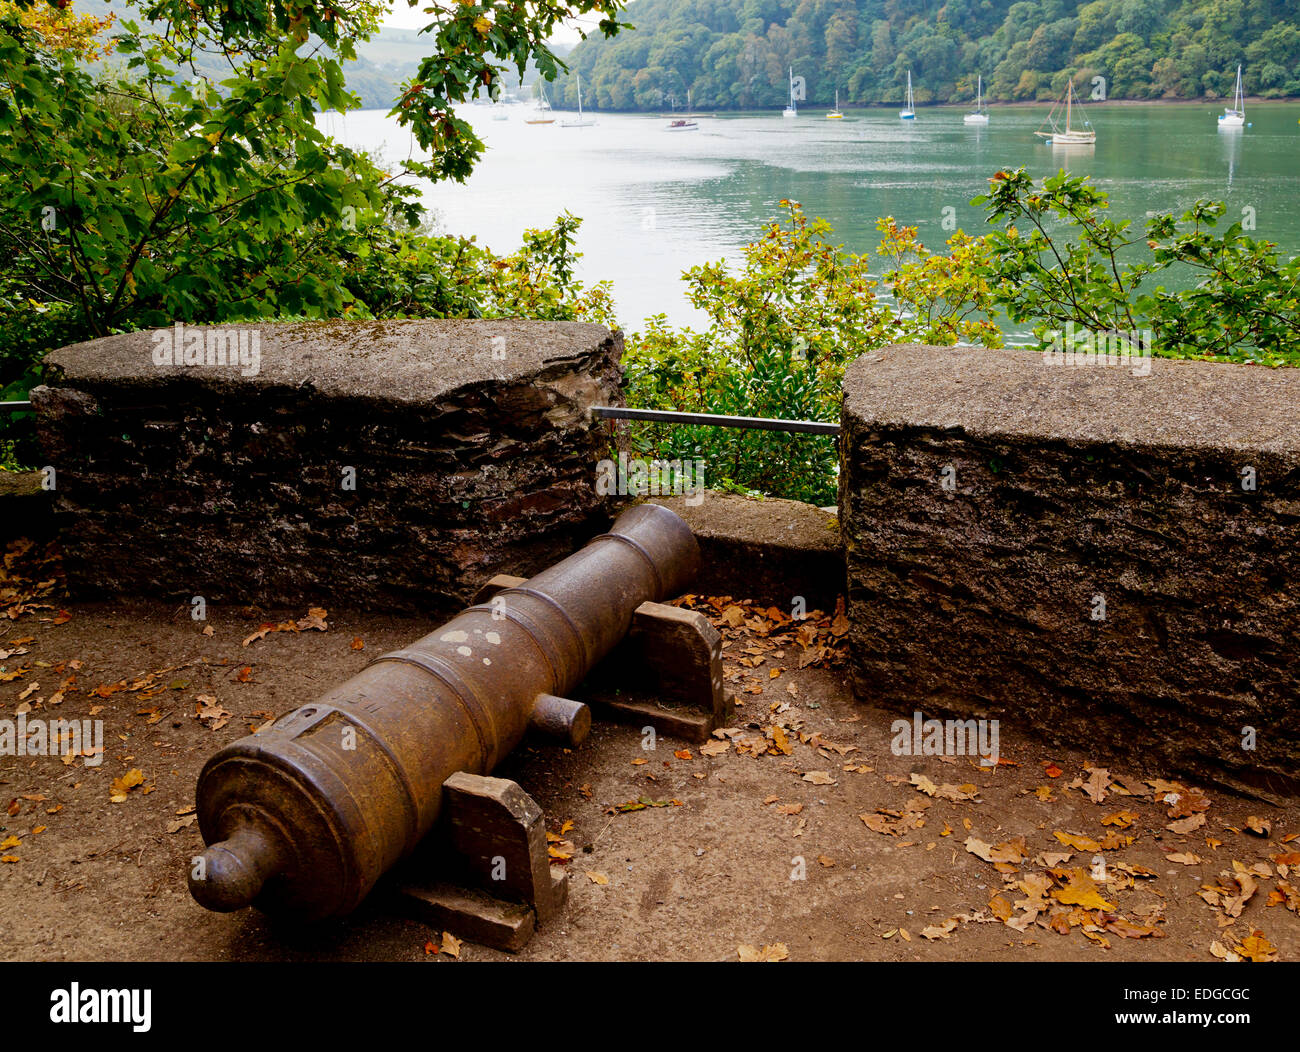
(698, 878)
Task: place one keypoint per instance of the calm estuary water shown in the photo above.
(656, 202)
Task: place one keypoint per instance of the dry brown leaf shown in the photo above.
(1077, 841)
(1081, 891)
(123, 784)
(941, 931)
(775, 952)
(210, 713)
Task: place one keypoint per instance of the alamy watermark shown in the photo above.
(651, 478)
(93, 1005)
(922, 737)
(37, 737)
(1083, 347)
(206, 345)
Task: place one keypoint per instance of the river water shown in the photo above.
(656, 202)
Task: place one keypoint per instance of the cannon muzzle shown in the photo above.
(303, 818)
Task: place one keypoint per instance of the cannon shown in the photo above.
(302, 819)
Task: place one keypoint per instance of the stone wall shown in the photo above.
(772, 551)
(1071, 549)
(391, 464)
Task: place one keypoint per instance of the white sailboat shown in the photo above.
(542, 111)
(580, 121)
(908, 112)
(979, 115)
(1070, 136)
(790, 110)
(1235, 117)
(835, 114)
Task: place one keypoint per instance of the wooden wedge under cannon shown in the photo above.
(303, 818)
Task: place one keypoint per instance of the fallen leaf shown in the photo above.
(940, 931)
(1186, 825)
(125, 783)
(1077, 841)
(597, 878)
(210, 713)
(775, 952)
(1257, 948)
(1081, 891)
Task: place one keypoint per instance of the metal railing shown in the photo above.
(753, 423)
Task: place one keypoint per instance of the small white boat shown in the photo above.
(542, 110)
(908, 112)
(979, 115)
(580, 121)
(1235, 117)
(835, 114)
(790, 111)
(683, 125)
(1069, 136)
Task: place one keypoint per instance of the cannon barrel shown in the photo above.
(303, 818)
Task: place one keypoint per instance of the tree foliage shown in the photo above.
(734, 54)
(152, 190)
(782, 327)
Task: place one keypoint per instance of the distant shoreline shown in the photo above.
(1251, 100)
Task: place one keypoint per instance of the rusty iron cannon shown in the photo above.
(302, 819)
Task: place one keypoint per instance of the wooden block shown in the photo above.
(666, 673)
(685, 652)
(498, 833)
(499, 583)
(469, 914)
(687, 724)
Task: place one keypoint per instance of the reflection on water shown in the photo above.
(655, 203)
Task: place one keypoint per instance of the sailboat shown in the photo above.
(1236, 116)
(580, 121)
(543, 110)
(1070, 136)
(908, 112)
(835, 114)
(979, 115)
(790, 110)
